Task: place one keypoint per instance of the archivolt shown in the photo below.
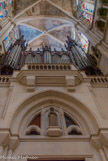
(58, 99)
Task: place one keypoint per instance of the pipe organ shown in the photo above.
(78, 57)
(17, 56)
(47, 55)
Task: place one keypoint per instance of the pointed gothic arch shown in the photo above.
(86, 117)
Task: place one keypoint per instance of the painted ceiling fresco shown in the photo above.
(45, 31)
(46, 24)
(41, 31)
(29, 33)
(46, 40)
(62, 33)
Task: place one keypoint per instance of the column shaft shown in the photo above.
(103, 157)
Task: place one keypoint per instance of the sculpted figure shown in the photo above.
(52, 118)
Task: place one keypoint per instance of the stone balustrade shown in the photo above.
(4, 79)
(99, 80)
(49, 67)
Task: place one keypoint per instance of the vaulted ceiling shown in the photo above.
(45, 22)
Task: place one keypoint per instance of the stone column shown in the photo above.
(42, 121)
(13, 143)
(102, 154)
(98, 143)
(1, 150)
(5, 153)
(4, 140)
(105, 148)
(63, 122)
(10, 152)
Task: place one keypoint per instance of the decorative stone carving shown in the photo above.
(52, 118)
(74, 128)
(31, 83)
(4, 138)
(33, 128)
(53, 130)
(70, 83)
(13, 142)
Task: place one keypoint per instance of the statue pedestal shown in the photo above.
(54, 131)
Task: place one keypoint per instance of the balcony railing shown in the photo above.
(48, 67)
(4, 79)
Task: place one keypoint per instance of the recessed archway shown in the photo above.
(50, 97)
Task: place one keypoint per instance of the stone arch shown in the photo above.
(34, 128)
(34, 103)
(74, 128)
(24, 19)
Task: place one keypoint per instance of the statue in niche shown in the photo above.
(52, 117)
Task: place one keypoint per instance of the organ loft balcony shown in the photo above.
(52, 75)
(58, 75)
(47, 68)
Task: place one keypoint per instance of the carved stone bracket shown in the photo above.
(104, 137)
(30, 83)
(100, 140)
(13, 143)
(35, 75)
(4, 138)
(54, 131)
(95, 140)
(70, 83)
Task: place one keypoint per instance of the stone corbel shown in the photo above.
(70, 83)
(104, 137)
(13, 143)
(30, 83)
(54, 131)
(95, 140)
(4, 138)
